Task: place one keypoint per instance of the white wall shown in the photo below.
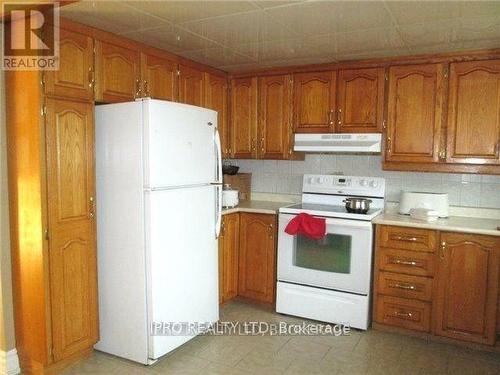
(285, 177)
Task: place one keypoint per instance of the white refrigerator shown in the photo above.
(159, 202)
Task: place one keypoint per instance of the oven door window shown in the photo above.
(331, 254)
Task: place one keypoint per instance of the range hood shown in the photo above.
(341, 143)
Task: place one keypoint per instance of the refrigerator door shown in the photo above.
(182, 260)
(180, 145)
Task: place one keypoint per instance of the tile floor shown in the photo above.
(371, 352)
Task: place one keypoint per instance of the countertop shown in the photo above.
(258, 207)
(461, 224)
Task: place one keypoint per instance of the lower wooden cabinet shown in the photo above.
(229, 241)
(465, 304)
(446, 285)
(257, 271)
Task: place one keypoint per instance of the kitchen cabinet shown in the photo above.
(314, 102)
(360, 100)
(51, 196)
(191, 87)
(414, 113)
(473, 113)
(216, 98)
(75, 76)
(274, 113)
(257, 257)
(467, 287)
(228, 257)
(243, 116)
(118, 73)
(159, 77)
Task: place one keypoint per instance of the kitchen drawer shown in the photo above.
(408, 238)
(405, 286)
(408, 262)
(404, 313)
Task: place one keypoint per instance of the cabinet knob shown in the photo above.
(443, 249)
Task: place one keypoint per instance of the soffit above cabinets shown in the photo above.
(247, 35)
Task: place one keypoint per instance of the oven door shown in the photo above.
(341, 261)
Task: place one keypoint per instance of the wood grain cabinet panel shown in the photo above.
(191, 87)
(414, 113)
(229, 242)
(474, 113)
(72, 242)
(257, 257)
(75, 76)
(360, 100)
(118, 76)
(244, 118)
(408, 238)
(216, 98)
(403, 313)
(406, 262)
(467, 287)
(159, 78)
(274, 129)
(314, 102)
(405, 286)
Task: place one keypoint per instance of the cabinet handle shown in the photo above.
(146, 88)
(92, 207)
(389, 145)
(91, 78)
(403, 286)
(330, 116)
(253, 144)
(138, 88)
(403, 314)
(410, 263)
(262, 144)
(442, 155)
(340, 117)
(443, 249)
(403, 238)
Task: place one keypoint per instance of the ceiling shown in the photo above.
(248, 35)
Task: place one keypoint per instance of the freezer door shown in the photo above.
(182, 262)
(180, 144)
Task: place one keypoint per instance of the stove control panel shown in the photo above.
(344, 185)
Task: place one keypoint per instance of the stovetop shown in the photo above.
(326, 210)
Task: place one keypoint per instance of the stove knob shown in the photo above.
(363, 183)
(310, 181)
(319, 180)
(374, 184)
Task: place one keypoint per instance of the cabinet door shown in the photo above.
(314, 102)
(257, 272)
(72, 243)
(244, 118)
(474, 113)
(229, 256)
(360, 100)
(75, 77)
(274, 111)
(216, 99)
(414, 113)
(159, 78)
(467, 287)
(191, 89)
(117, 73)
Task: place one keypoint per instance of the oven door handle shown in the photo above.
(344, 223)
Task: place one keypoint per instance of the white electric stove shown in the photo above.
(329, 279)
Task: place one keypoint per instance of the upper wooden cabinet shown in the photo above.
(118, 76)
(414, 113)
(360, 100)
(159, 78)
(314, 102)
(216, 98)
(474, 113)
(75, 77)
(274, 112)
(191, 88)
(257, 258)
(228, 257)
(467, 287)
(244, 118)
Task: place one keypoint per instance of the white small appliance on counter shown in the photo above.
(437, 202)
(229, 196)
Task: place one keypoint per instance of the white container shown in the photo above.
(424, 214)
(229, 196)
(432, 201)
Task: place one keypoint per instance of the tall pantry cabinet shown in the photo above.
(50, 129)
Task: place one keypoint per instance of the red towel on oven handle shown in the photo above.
(309, 226)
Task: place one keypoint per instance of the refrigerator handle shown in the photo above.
(218, 219)
(218, 151)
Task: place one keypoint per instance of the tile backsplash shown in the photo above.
(285, 177)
